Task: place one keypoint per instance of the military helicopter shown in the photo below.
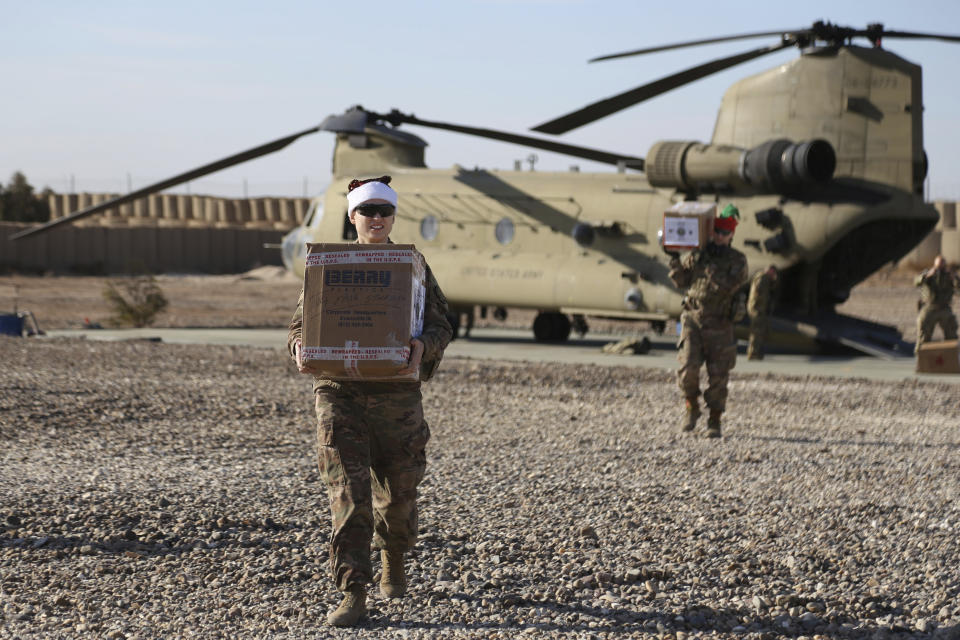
(823, 156)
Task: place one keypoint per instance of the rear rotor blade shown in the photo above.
(395, 118)
(611, 105)
(694, 43)
(199, 172)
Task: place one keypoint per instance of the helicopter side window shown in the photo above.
(504, 231)
(429, 227)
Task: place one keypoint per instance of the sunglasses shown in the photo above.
(722, 232)
(370, 210)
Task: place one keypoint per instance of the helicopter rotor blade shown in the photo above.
(224, 163)
(694, 43)
(621, 101)
(917, 35)
(395, 117)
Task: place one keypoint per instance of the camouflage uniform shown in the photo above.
(936, 295)
(371, 451)
(712, 277)
(758, 308)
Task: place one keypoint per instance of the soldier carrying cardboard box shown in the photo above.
(937, 285)
(711, 276)
(372, 436)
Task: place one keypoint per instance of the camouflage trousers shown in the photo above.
(928, 320)
(371, 451)
(710, 341)
(758, 335)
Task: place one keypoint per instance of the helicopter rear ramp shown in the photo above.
(834, 330)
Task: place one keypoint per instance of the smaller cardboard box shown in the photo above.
(688, 225)
(939, 357)
(362, 304)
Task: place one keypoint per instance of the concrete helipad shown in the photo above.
(519, 345)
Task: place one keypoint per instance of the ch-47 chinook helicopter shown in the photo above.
(823, 156)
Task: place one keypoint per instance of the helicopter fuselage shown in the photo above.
(589, 242)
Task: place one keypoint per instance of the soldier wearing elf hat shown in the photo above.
(712, 277)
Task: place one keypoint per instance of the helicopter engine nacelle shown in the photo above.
(776, 166)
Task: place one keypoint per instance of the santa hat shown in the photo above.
(727, 219)
(360, 191)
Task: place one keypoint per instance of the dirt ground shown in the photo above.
(265, 297)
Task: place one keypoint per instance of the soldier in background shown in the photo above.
(762, 293)
(711, 276)
(937, 285)
(372, 436)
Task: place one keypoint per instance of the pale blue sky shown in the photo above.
(94, 91)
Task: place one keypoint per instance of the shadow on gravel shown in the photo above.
(694, 620)
(869, 443)
(268, 534)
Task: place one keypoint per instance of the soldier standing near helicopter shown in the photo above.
(937, 285)
(372, 436)
(762, 291)
(712, 277)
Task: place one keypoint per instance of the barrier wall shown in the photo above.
(162, 209)
(103, 249)
(160, 233)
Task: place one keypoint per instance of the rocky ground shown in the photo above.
(151, 490)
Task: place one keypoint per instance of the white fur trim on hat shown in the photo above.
(370, 191)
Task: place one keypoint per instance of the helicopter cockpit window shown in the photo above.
(429, 227)
(314, 215)
(505, 231)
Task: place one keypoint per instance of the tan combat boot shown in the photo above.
(689, 420)
(393, 581)
(353, 607)
(713, 423)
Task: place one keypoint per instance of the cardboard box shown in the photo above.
(688, 225)
(362, 303)
(939, 357)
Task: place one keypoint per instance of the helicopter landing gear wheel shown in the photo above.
(551, 326)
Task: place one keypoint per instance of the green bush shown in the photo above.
(18, 203)
(134, 301)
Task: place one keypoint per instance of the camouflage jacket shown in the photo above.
(436, 335)
(761, 294)
(937, 287)
(712, 277)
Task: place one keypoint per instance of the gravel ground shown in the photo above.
(157, 491)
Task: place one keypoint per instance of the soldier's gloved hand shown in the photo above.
(675, 255)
